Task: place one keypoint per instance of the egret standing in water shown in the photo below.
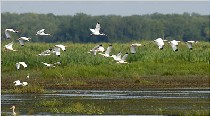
(13, 110)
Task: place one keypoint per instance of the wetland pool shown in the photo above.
(110, 102)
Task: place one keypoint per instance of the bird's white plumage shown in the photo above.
(9, 46)
(41, 32)
(18, 64)
(174, 45)
(13, 110)
(57, 51)
(107, 52)
(17, 83)
(7, 32)
(190, 43)
(22, 39)
(46, 52)
(133, 47)
(123, 59)
(160, 42)
(98, 48)
(48, 65)
(61, 46)
(117, 57)
(96, 30)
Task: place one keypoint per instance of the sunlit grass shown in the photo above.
(149, 66)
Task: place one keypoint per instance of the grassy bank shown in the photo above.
(149, 67)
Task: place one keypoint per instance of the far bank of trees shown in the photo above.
(118, 28)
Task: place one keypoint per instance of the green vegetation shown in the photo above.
(126, 106)
(118, 28)
(149, 67)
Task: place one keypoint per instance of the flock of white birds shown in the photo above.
(99, 48)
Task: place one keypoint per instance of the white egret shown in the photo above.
(22, 39)
(21, 63)
(107, 52)
(61, 46)
(123, 59)
(98, 48)
(24, 83)
(9, 46)
(17, 83)
(96, 30)
(46, 52)
(117, 57)
(48, 65)
(57, 51)
(189, 44)
(13, 110)
(41, 32)
(174, 45)
(133, 47)
(7, 32)
(160, 43)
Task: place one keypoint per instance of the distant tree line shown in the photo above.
(118, 28)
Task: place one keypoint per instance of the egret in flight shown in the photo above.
(96, 30)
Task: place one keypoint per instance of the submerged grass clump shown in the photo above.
(29, 89)
(62, 107)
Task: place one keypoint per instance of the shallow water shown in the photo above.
(25, 102)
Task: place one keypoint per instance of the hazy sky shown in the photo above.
(124, 8)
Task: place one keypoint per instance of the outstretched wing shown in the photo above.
(133, 49)
(124, 57)
(108, 50)
(18, 66)
(24, 64)
(21, 42)
(189, 45)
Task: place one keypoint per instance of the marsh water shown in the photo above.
(144, 101)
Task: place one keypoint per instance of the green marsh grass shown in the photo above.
(149, 67)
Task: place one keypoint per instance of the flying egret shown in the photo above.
(7, 32)
(20, 63)
(9, 46)
(22, 39)
(122, 60)
(96, 30)
(107, 52)
(61, 46)
(17, 83)
(133, 47)
(189, 44)
(98, 48)
(41, 32)
(160, 43)
(13, 110)
(174, 45)
(117, 57)
(48, 65)
(24, 83)
(57, 51)
(46, 52)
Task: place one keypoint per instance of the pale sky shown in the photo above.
(123, 8)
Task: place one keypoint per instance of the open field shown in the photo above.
(148, 68)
